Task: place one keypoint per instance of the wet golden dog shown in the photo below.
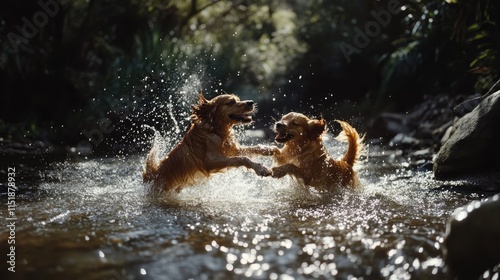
(209, 145)
(304, 156)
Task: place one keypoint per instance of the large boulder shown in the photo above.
(472, 243)
(473, 143)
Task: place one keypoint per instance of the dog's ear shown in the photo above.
(201, 98)
(316, 128)
(202, 109)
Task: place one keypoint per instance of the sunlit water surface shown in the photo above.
(94, 220)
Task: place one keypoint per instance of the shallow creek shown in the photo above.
(93, 220)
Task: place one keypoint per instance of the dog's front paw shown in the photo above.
(262, 170)
(278, 172)
(269, 150)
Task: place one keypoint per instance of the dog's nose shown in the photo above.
(250, 103)
(280, 126)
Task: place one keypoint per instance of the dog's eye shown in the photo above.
(231, 102)
(295, 123)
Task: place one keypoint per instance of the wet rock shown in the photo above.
(422, 159)
(468, 105)
(424, 166)
(388, 125)
(471, 244)
(426, 123)
(404, 141)
(473, 142)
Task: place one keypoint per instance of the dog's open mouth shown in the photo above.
(282, 137)
(244, 118)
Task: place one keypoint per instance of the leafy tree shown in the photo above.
(91, 59)
(448, 47)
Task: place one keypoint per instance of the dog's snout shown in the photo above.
(280, 126)
(250, 103)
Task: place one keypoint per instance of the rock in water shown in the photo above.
(472, 240)
(473, 143)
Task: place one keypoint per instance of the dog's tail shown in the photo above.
(350, 135)
(151, 166)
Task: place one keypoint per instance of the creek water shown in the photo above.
(93, 219)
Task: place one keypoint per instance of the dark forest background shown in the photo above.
(66, 65)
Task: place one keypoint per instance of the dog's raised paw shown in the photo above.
(262, 170)
(278, 172)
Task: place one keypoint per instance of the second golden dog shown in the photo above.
(305, 157)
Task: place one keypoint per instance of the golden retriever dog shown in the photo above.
(304, 156)
(208, 146)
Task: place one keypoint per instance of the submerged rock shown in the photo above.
(472, 243)
(472, 146)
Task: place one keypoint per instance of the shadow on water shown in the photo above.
(94, 220)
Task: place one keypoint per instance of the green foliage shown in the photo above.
(448, 47)
(95, 58)
(485, 37)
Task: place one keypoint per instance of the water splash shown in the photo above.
(160, 144)
(233, 223)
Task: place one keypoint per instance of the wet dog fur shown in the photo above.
(209, 146)
(305, 157)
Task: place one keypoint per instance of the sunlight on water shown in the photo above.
(99, 220)
(236, 224)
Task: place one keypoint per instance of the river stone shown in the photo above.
(472, 243)
(473, 143)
